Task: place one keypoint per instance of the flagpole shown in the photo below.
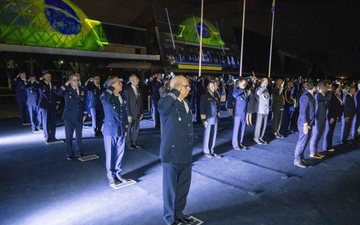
(242, 39)
(171, 33)
(272, 37)
(201, 35)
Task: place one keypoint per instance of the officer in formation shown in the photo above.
(155, 85)
(322, 98)
(74, 96)
(21, 97)
(240, 109)
(135, 111)
(289, 107)
(356, 122)
(278, 103)
(263, 107)
(33, 95)
(176, 150)
(209, 114)
(305, 124)
(348, 113)
(48, 104)
(114, 129)
(94, 91)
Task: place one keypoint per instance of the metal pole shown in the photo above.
(242, 39)
(271, 38)
(171, 33)
(201, 35)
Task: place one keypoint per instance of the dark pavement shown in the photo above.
(258, 187)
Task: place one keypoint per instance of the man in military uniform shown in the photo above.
(135, 111)
(322, 97)
(356, 121)
(241, 100)
(209, 114)
(348, 113)
(114, 129)
(21, 97)
(94, 91)
(156, 84)
(305, 124)
(176, 150)
(74, 96)
(33, 95)
(48, 104)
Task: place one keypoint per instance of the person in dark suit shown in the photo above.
(348, 113)
(74, 96)
(156, 84)
(33, 95)
(209, 114)
(305, 123)
(94, 91)
(134, 110)
(21, 97)
(114, 129)
(356, 121)
(241, 100)
(333, 114)
(278, 103)
(176, 150)
(322, 98)
(48, 105)
(289, 107)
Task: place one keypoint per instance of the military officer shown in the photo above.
(240, 108)
(305, 123)
(33, 95)
(94, 91)
(74, 96)
(263, 107)
(356, 122)
(21, 97)
(114, 129)
(47, 105)
(348, 113)
(176, 150)
(209, 114)
(278, 102)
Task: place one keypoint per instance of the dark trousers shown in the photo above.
(355, 126)
(260, 127)
(316, 134)
(133, 131)
(24, 114)
(329, 133)
(35, 117)
(70, 127)
(301, 144)
(210, 134)
(49, 123)
(176, 185)
(97, 116)
(346, 123)
(114, 151)
(277, 119)
(239, 128)
(155, 113)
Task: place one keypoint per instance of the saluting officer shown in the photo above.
(33, 95)
(322, 98)
(48, 104)
(209, 114)
(305, 123)
(240, 109)
(263, 107)
(94, 91)
(73, 114)
(21, 96)
(114, 129)
(176, 150)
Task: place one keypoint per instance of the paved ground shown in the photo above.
(38, 186)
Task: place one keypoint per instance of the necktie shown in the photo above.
(186, 106)
(135, 91)
(120, 99)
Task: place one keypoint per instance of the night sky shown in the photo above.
(325, 32)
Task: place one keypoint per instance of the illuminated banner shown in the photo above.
(49, 23)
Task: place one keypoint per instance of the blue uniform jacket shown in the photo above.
(348, 106)
(33, 93)
(241, 101)
(115, 121)
(209, 106)
(94, 94)
(307, 109)
(322, 102)
(74, 103)
(177, 130)
(48, 97)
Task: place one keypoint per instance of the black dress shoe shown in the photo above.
(70, 157)
(262, 141)
(186, 220)
(243, 147)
